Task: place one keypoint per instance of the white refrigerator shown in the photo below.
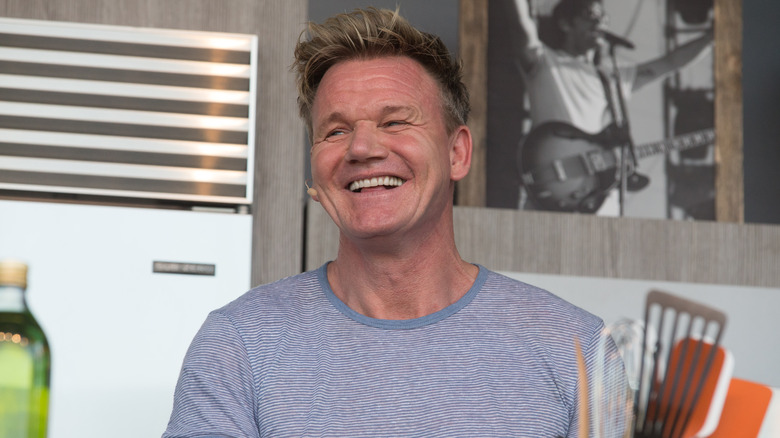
(118, 330)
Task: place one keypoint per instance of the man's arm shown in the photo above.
(672, 61)
(527, 37)
(214, 394)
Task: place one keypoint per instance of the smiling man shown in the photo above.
(380, 119)
(398, 336)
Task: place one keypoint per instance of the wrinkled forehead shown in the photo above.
(405, 70)
(417, 75)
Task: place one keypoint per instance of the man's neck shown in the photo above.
(405, 283)
(575, 51)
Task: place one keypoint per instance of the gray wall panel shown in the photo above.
(591, 246)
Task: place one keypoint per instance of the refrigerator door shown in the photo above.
(118, 331)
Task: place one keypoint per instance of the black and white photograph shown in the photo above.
(560, 129)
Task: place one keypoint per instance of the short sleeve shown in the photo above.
(215, 394)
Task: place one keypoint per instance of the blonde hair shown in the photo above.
(372, 33)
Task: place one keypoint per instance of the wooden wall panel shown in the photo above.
(278, 198)
(729, 177)
(586, 245)
(647, 249)
(473, 36)
(322, 236)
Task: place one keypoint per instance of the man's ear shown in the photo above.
(460, 153)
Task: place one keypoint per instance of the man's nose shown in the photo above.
(366, 143)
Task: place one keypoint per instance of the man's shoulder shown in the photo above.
(537, 302)
(513, 286)
(279, 296)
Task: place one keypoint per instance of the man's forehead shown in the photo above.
(380, 110)
(385, 62)
(393, 72)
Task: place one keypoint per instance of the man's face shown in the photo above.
(382, 160)
(584, 29)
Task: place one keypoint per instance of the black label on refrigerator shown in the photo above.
(184, 268)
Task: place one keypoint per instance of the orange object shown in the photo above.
(709, 405)
(744, 410)
(584, 412)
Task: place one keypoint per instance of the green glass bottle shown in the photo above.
(25, 360)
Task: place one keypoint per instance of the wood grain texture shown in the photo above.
(729, 177)
(322, 236)
(279, 197)
(591, 246)
(472, 41)
(279, 151)
(646, 249)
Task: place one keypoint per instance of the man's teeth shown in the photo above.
(391, 181)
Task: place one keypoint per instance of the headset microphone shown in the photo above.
(311, 191)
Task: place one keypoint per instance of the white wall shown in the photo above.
(751, 330)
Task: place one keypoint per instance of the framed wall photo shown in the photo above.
(671, 121)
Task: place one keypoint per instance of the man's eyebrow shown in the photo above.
(333, 117)
(394, 109)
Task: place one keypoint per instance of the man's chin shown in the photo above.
(367, 228)
(367, 235)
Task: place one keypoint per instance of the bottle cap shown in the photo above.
(13, 273)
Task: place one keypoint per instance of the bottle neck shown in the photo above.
(12, 299)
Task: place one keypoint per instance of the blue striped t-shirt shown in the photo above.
(289, 359)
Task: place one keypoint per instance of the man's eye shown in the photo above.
(395, 123)
(335, 132)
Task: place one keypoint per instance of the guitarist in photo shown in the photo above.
(574, 100)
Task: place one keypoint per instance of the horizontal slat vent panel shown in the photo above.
(127, 112)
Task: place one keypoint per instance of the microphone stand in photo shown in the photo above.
(628, 178)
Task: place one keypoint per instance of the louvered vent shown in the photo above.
(127, 112)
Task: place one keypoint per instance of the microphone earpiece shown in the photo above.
(311, 191)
